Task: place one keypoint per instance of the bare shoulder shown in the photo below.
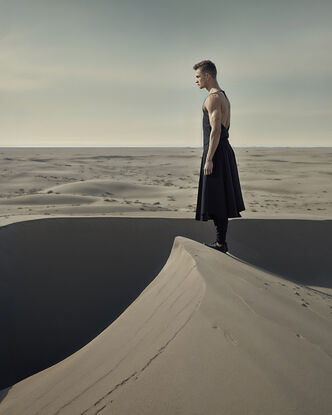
(213, 101)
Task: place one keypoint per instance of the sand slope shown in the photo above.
(210, 335)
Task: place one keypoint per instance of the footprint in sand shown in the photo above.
(227, 334)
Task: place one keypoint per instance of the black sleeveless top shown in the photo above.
(224, 135)
(219, 193)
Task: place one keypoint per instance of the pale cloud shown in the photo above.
(20, 70)
(83, 69)
(301, 56)
(281, 111)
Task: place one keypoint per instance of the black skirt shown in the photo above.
(219, 193)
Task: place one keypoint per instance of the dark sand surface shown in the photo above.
(143, 324)
(111, 304)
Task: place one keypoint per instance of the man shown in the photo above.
(219, 191)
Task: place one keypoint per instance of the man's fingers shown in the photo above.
(207, 170)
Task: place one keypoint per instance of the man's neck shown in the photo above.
(214, 88)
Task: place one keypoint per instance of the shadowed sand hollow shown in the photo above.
(135, 315)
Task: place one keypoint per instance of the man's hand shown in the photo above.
(208, 167)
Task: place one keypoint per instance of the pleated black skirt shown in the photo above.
(219, 193)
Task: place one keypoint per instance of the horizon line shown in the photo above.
(198, 147)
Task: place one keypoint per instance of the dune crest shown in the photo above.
(210, 334)
(122, 352)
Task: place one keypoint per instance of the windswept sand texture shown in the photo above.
(210, 334)
(162, 181)
(111, 304)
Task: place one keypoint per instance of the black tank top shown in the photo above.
(224, 135)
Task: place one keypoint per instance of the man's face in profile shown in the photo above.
(200, 78)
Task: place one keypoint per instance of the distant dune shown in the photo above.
(100, 181)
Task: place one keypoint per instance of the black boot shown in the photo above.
(223, 248)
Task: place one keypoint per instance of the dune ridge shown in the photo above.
(210, 334)
(124, 350)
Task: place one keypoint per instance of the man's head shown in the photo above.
(206, 73)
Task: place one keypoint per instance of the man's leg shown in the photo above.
(221, 225)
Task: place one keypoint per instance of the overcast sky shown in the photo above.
(119, 73)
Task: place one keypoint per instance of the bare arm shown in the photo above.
(214, 110)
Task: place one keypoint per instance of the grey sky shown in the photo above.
(95, 73)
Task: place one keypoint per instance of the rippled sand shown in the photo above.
(158, 181)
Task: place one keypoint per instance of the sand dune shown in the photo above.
(210, 334)
(99, 187)
(273, 180)
(45, 199)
